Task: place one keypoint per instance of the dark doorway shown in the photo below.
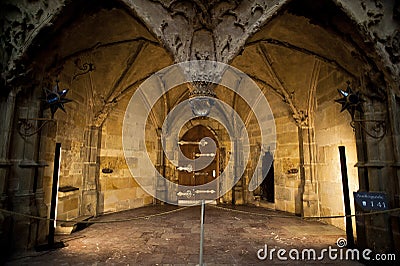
(268, 186)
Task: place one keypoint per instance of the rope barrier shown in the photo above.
(254, 213)
(146, 217)
(91, 221)
(309, 217)
(354, 215)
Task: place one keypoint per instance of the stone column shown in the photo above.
(24, 171)
(307, 149)
(363, 184)
(236, 189)
(7, 105)
(161, 187)
(376, 175)
(42, 208)
(394, 118)
(91, 172)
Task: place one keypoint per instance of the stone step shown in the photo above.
(69, 227)
(266, 204)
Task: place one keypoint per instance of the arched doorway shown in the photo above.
(198, 164)
(300, 57)
(268, 185)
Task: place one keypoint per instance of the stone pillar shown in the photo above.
(7, 105)
(394, 118)
(363, 184)
(376, 174)
(23, 175)
(161, 187)
(237, 189)
(307, 149)
(42, 209)
(91, 172)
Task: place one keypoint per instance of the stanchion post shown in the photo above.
(202, 233)
(346, 197)
(54, 194)
(53, 205)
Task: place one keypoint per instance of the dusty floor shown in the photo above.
(231, 238)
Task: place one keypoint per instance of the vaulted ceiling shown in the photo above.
(299, 46)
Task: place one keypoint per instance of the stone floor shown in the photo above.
(232, 237)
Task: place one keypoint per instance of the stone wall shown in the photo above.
(69, 130)
(123, 42)
(118, 189)
(287, 167)
(100, 59)
(332, 129)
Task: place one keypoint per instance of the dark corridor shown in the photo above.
(267, 186)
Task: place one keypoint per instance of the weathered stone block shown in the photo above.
(136, 203)
(89, 202)
(122, 205)
(279, 193)
(287, 150)
(73, 214)
(280, 205)
(148, 200)
(290, 206)
(70, 204)
(132, 162)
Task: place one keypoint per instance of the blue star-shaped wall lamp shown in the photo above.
(55, 99)
(350, 101)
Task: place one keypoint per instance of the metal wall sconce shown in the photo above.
(26, 127)
(292, 171)
(54, 99)
(107, 171)
(352, 102)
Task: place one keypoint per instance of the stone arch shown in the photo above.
(101, 55)
(210, 125)
(239, 31)
(224, 144)
(283, 57)
(231, 27)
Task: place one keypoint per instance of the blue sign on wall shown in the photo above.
(371, 201)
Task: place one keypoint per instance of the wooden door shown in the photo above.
(190, 145)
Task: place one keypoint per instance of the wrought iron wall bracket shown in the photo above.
(83, 68)
(377, 130)
(352, 102)
(27, 128)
